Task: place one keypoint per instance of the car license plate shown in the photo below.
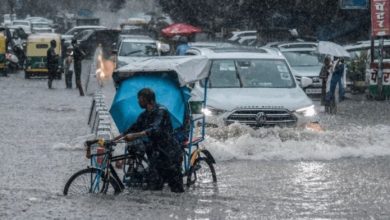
(313, 91)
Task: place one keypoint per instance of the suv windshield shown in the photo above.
(302, 58)
(250, 73)
(138, 49)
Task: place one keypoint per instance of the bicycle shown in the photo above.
(101, 176)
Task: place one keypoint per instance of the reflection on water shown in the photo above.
(310, 181)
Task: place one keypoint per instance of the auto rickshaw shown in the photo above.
(2, 52)
(36, 52)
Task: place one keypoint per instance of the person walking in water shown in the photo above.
(78, 56)
(325, 73)
(335, 79)
(52, 62)
(68, 67)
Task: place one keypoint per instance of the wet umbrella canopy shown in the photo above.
(180, 29)
(125, 108)
(330, 48)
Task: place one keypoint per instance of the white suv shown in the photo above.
(132, 47)
(253, 87)
(24, 24)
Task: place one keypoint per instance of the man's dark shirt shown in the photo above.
(78, 54)
(52, 59)
(158, 127)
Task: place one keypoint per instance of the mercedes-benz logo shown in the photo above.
(261, 118)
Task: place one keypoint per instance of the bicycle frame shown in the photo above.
(189, 155)
(106, 167)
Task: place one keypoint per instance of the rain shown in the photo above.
(251, 116)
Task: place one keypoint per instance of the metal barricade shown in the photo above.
(99, 119)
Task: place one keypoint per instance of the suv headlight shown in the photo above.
(307, 111)
(211, 111)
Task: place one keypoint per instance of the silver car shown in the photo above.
(305, 62)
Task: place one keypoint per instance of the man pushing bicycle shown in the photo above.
(163, 151)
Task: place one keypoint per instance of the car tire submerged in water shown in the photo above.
(86, 177)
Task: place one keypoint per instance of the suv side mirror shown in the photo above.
(305, 82)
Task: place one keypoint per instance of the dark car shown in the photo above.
(91, 39)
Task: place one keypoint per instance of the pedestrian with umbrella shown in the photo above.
(325, 73)
(336, 74)
(183, 31)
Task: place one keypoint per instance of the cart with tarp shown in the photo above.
(170, 78)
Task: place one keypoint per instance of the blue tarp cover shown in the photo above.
(125, 108)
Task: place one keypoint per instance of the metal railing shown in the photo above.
(99, 119)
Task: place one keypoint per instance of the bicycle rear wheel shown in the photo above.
(202, 172)
(88, 181)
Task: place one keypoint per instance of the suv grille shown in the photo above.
(262, 117)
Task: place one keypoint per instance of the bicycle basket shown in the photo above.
(96, 152)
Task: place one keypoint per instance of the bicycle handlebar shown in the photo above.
(106, 143)
(90, 142)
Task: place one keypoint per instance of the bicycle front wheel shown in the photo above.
(202, 172)
(89, 181)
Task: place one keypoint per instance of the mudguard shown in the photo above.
(205, 152)
(208, 155)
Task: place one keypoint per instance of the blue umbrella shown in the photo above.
(125, 109)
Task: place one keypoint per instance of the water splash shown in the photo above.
(241, 142)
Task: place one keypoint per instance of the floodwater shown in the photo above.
(342, 172)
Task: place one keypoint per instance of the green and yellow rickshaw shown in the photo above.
(2, 52)
(36, 52)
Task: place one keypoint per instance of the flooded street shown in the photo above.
(277, 173)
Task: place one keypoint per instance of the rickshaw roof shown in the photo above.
(188, 69)
(38, 37)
